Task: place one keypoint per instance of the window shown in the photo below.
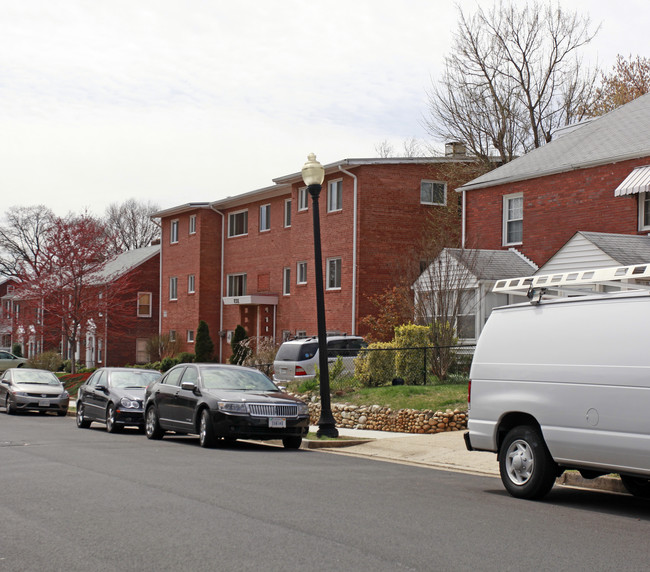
(236, 285)
(334, 195)
(333, 273)
(237, 223)
(144, 305)
(193, 224)
(286, 281)
(141, 352)
(466, 318)
(303, 199)
(513, 219)
(190, 336)
(433, 193)
(265, 218)
(173, 288)
(172, 335)
(190, 284)
(100, 350)
(173, 233)
(644, 211)
(287, 213)
(301, 273)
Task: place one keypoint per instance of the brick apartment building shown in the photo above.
(248, 259)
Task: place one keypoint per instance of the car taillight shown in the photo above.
(300, 371)
(469, 394)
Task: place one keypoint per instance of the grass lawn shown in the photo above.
(434, 397)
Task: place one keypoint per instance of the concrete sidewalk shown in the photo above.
(445, 451)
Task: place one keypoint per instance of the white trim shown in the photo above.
(173, 231)
(192, 224)
(327, 273)
(138, 314)
(302, 263)
(287, 211)
(303, 192)
(230, 217)
(339, 204)
(286, 281)
(265, 217)
(505, 220)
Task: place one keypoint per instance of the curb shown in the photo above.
(332, 443)
(604, 483)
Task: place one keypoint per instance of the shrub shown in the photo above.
(186, 357)
(376, 367)
(17, 350)
(409, 364)
(51, 361)
(203, 346)
(167, 363)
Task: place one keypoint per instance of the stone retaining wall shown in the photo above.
(377, 418)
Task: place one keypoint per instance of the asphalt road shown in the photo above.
(75, 499)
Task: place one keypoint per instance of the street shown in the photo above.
(76, 499)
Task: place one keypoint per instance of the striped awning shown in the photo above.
(638, 181)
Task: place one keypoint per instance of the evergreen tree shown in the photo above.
(239, 352)
(203, 347)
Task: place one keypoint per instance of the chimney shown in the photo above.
(455, 149)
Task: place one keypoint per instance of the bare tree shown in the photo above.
(385, 149)
(23, 236)
(129, 225)
(513, 76)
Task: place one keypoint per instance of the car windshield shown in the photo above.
(36, 377)
(236, 379)
(133, 378)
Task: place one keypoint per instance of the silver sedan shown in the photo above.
(23, 389)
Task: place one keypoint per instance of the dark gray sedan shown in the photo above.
(114, 396)
(223, 401)
(25, 389)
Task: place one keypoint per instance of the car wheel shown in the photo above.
(111, 425)
(637, 486)
(526, 466)
(82, 422)
(292, 442)
(152, 427)
(206, 430)
(9, 408)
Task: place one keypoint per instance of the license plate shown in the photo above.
(277, 422)
(44, 403)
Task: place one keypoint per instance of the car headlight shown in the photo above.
(232, 407)
(64, 395)
(129, 403)
(303, 409)
(19, 393)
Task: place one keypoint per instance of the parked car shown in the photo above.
(223, 401)
(8, 360)
(27, 389)
(297, 359)
(114, 396)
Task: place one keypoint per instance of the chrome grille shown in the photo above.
(272, 410)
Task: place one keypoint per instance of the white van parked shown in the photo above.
(564, 383)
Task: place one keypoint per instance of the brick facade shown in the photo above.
(555, 208)
(390, 224)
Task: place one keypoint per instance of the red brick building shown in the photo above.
(249, 259)
(537, 202)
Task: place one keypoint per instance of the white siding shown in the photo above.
(577, 254)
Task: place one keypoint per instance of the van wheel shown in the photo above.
(526, 466)
(637, 486)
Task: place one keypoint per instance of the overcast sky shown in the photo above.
(174, 101)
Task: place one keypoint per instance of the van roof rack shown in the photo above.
(538, 284)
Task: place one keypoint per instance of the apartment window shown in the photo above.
(335, 195)
(287, 213)
(236, 285)
(173, 234)
(141, 352)
(172, 335)
(100, 350)
(333, 273)
(193, 224)
(303, 199)
(144, 305)
(286, 281)
(238, 223)
(644, 211)
(433, 193)
(265, 218)
(513, 219)
(191, 284)
(190, 336)
(301, 273)
(173, 288)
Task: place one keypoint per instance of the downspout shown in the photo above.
(462, 218)
(160, 275)
(223, 243)
(354, 252)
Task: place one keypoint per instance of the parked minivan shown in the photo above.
(297, 359)
(564, 384)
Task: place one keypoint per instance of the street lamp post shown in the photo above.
(313, 174)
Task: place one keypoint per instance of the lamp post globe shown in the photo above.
(313, 175)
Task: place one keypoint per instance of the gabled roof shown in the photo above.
(620, 135)
(627, 249)
(494, 264)
(127, 261)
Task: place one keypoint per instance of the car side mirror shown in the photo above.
(100, 387)
(188, 386)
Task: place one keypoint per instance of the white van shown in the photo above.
(564, 384)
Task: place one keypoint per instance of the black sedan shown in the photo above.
(223, 401)
(114, 396)
(24, 389)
